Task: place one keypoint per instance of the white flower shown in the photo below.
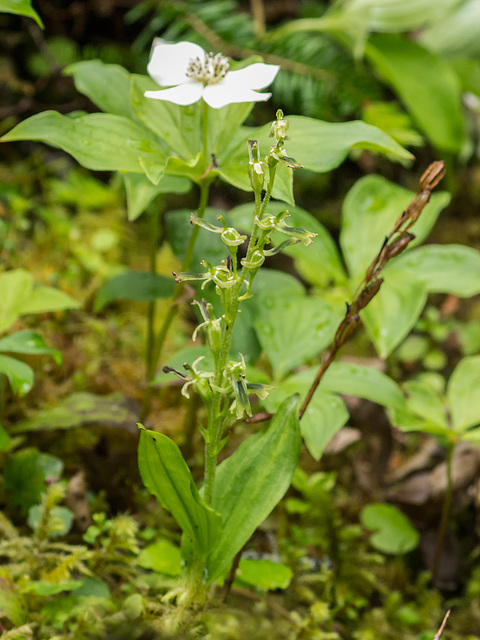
(191, 74)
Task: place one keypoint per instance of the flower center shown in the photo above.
(210, 70)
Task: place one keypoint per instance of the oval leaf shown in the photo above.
(98, 141)
(294, 329)
(250, 483)
(462, 394)
(391, 530)
(107, 85)
(134, 285)
(371, 208)
(325, 415)
(451, 268)
(19, 374)
(165, 474)
(426, 85)
(394, 310)
(28, 342)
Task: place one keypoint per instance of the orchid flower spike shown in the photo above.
(191, 74)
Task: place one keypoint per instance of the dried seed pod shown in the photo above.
(432, 176)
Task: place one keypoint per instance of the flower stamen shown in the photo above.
(209, 71)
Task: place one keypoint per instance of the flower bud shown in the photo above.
(256, 170)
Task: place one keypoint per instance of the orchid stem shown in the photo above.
(158, 340)
(215, 415)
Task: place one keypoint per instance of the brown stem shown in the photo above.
(395, 243)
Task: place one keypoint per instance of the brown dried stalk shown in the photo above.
(442, 626)
(395, 243)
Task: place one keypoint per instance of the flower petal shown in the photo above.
(217, 96)
(168, 62)
(256, 76)
(185, 94)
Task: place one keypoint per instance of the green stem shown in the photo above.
(442, 529)
(214, 428)
(205, 134)
(158, 340)
(152, 306)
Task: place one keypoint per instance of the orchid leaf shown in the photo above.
(250, 483)
(167, 476)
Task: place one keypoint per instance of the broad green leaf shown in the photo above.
(423, 401)
(401, 15)
(425, 84)
(325, 415)
(223, 125)
(457, 34)
(166, 475)
(80, 410)
(250, 483)
(363, 382)
(179, 127)
(370, 210)
(294, 329)
(323, 146)
(134, 285)
(392, 118)
(319, 262)
(163, 557)
(98, 141)
(450, 268)
(15, 289)
(45, 299)
(392, 531)
(19, 374)
(463, 394)
(263, 574)
(28, 342)
(107, 85)
(21, 8)
(12, 605)
(393, 312)
(341, 377)
(141, 192)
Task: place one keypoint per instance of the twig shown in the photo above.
(395, 243)
(440, 631)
